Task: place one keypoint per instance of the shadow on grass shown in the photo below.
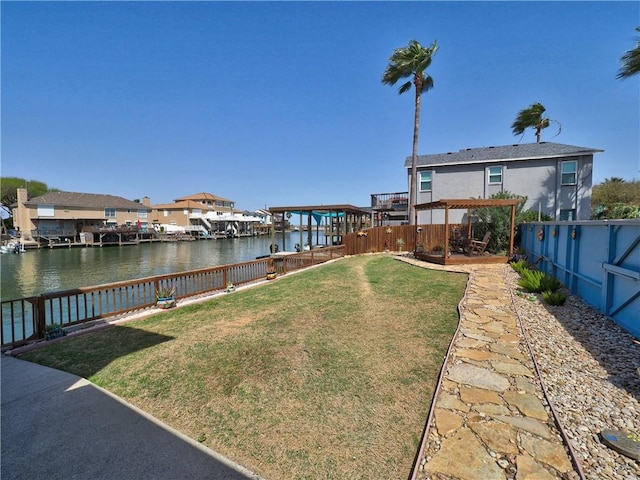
(88, 353)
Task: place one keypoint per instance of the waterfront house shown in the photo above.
(390, 208)
(77, 217)
(555, 178)
(204, 214)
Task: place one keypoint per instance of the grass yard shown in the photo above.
(327, 373)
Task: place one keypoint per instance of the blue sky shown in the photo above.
(281, 103)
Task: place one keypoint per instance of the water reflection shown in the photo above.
(39, 271)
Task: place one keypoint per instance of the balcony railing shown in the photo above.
(390, 201)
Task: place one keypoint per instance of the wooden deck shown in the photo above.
(460, 258)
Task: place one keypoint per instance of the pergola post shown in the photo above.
(446, 233)
(512, 228)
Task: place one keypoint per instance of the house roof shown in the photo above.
(202, 196)
(182, 204)
(504, 153)
(85, 200)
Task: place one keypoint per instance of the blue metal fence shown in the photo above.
(596, 260)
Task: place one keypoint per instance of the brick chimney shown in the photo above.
(21, 217)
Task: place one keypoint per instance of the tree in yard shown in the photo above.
(630, 61)
(497, 220)
(616, 198)
(411, 62)
(531, 117)
(9, 187)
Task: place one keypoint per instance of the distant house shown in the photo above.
(59, 216)
(390, 208)
(204, 214)
(555, 178)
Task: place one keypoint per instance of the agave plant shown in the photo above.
(549, 283)
(554, 298)
(520, 265)
(530, 280)
(165, 292)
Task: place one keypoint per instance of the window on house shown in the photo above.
(110, 212)
(567, 215)
(569, 172)
(494, 175)
(46, 211)
(425, 181)
(142, 214)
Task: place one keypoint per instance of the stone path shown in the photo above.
(490, 419)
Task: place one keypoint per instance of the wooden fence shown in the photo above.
(25, 320)
(396, 238)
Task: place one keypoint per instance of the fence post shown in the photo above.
(39, 316)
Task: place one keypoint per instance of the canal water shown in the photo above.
(48, 270)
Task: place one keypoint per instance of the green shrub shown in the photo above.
(554, 298)
(520, 265)
(497, 221)
(530, 280)
(549, 283)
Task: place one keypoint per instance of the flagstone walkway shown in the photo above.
(490, 419)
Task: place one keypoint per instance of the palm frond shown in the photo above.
(630, 61)
(404, 88)
(408, 61)
(530, 117)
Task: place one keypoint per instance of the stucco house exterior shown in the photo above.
(555, 178)
(203, 214)
(60, 216)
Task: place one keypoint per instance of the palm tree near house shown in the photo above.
(614, 180)
(630, 61)
(411, 62)
(531, 117)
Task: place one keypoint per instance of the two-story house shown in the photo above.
(203, 214)
(555, 178)
(58, 216)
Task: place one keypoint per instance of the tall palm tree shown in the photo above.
(531, 117)
(411, 62)
(630, 61)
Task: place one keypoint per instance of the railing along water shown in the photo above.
(25, 320)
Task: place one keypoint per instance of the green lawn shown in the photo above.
(327, 373)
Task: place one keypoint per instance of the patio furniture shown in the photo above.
(459, 240)
(477, 246)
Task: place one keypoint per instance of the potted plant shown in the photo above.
(271, 270)
(53, 331)
(400, 243)
(166, 297)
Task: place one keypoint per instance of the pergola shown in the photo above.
(468, 204)
(342, 219)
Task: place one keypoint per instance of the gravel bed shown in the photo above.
(588, 365)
